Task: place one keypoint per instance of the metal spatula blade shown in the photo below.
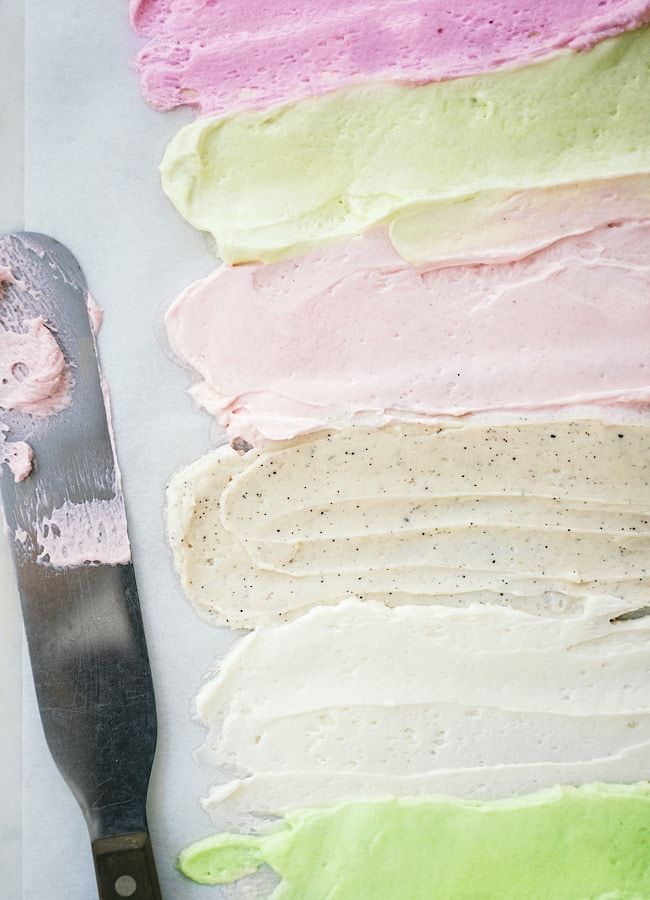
(82, 616)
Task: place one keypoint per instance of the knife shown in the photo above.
(67, 528)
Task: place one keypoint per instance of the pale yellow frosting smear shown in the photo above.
(272, 183)
(537, 515)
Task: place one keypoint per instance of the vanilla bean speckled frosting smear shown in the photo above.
(537, 515)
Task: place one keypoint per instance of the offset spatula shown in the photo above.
(82, 615)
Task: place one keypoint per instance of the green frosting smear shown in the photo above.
(272, 183)
(564, 843)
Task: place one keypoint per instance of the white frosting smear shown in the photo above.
(479, 700)
(537, 515)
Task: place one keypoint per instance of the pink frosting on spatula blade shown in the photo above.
(77, 534)
(95, 314)
(33, 372)
(353, 330)
(236, 54)
(18, 455)
(33, 376)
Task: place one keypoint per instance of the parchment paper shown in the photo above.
(11, 218)
(91, 152)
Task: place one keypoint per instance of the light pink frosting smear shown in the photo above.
(235, 54)
(353, 330)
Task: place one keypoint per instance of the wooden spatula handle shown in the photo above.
(125, 867)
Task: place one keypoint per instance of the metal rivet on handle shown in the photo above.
(125, 886)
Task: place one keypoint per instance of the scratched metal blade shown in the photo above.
(82, 622)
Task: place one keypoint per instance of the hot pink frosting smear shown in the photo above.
(353, 330)
(223, 55)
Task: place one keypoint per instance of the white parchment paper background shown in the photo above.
(91, 152)
(11, 217)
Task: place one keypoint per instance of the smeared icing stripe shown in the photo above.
(235, 54)
(537, 514)
(278, 182)
(567, 843)
(424, 693)
(351, 332)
